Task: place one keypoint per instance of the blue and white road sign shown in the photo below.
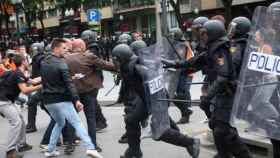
(93, 15)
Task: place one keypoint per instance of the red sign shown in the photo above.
(124, 28)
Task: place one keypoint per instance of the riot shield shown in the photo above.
(256, 103)
(154, 84)
(174, 50)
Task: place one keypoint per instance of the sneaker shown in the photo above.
(194, 149)
(54, 153)
(24, 147)
(43, 147)
(93, 154)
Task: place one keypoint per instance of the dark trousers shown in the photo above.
(183, 93)
(100, 118)
(276, 148)
(33, 101)
(133, 128)
(227, 141)
(90, 102)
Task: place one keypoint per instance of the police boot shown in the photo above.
(218, 156)
(132, 153)
(123, 139)
(185, 117)
(176, 138)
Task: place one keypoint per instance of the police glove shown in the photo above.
(204, 102)
(173, 64)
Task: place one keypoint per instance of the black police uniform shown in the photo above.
(36, 98)
(221, 93)
(131, 76)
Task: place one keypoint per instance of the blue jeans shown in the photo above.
(65, 111)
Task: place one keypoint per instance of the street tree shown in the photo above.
(228, 10)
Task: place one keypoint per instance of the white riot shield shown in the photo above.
(256, 104)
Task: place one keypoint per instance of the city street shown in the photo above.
(108, 139)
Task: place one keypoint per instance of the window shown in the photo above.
(185, 2)
(173, 20)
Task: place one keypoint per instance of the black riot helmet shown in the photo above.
(125, 39)
(177, 34)
(89, 36)
(37, 48)
(122, 53)
(199, 22)
(239, 26)
(214, 29)
(137, 45)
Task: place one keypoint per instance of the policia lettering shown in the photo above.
(264, 63)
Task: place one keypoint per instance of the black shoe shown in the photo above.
(123, 139)
(129, 153)
(194, 149)
(98, 148)
(31, 129)
(101, 126)
(69, 149)
(218, 156)
(184, 120)
(24, 147)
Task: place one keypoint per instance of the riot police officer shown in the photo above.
(221, 92)
(132, 73)
(182, 86)
(37, 50)
(123, 98)
(238, 31)
(125, 39)
(137, 45)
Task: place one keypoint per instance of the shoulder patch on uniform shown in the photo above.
(232, 50)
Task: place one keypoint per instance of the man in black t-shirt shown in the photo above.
(10, 88)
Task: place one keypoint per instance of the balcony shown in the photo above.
(123, 6)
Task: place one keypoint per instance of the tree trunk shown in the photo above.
(1, 22)
(28, 16)
(41, 19)
(178, 15)
(7, 19)
(228, 10)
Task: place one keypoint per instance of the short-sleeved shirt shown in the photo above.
(10, 91)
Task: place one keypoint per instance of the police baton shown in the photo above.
(193, 83)
(260, 84)
(178, 100)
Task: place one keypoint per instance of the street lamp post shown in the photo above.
(17, 4)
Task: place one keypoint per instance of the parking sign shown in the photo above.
(94, 15)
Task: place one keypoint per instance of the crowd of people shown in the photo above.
(64, 77)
